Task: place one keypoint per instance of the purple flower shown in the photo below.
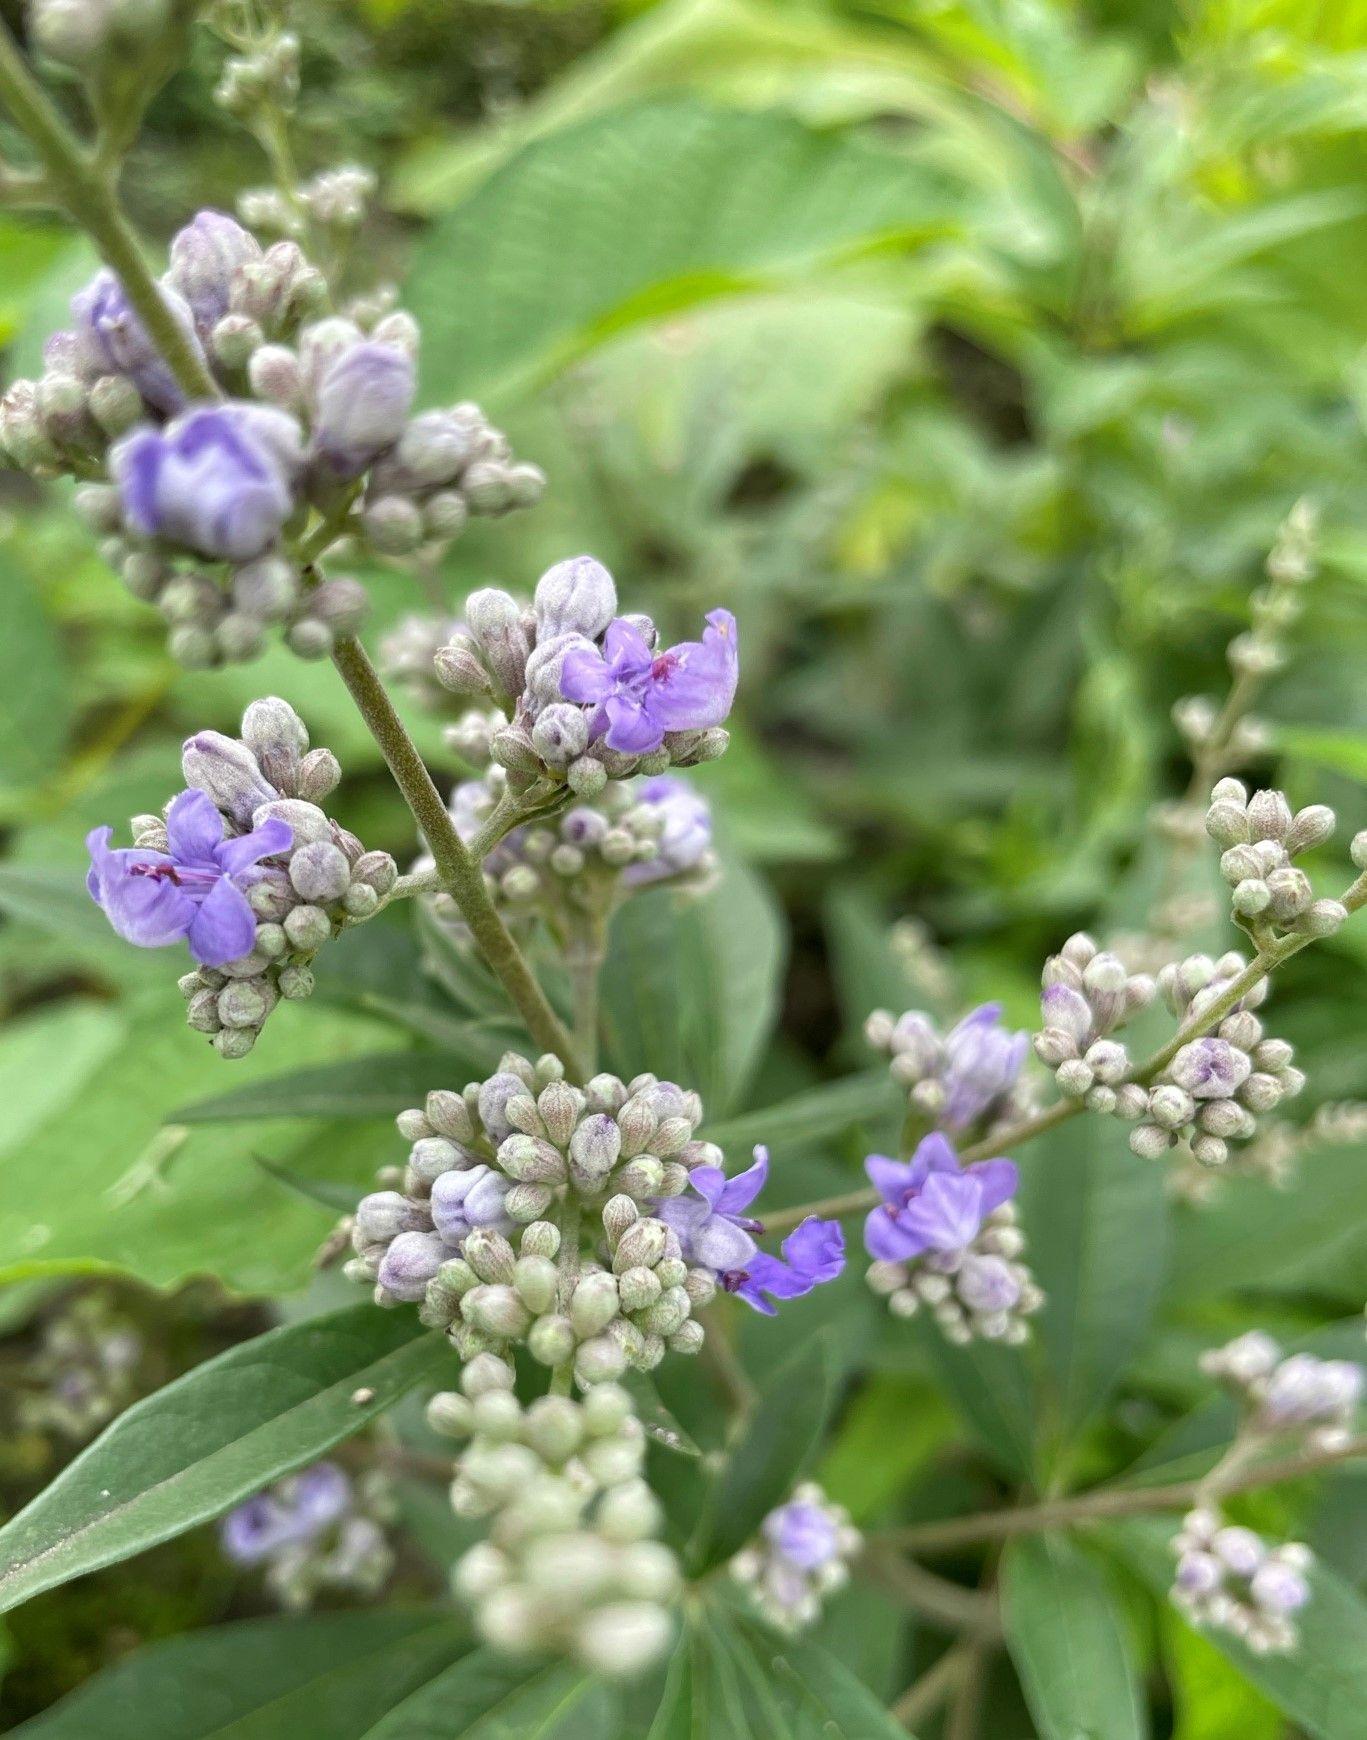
(812, 1254)
(192, 891)
(463, 1199)
(805, 1534)
(118, 341)
(981, 1062)
(288, 1514)
(219, 479)
(711, 1228)
(639, 695)
(1210, 1069)
(931, 1203)
(362, 405)
(686, 836)
(204, 257)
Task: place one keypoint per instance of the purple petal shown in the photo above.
(888, 1240)
(625, 649)
(632, 727)
(739, 1192)
(816, 1250)
(709, 1182)
(935, 1153)
(997, 1180)
(194, 828)
(948, 1212)
(694, 683)
(224, 927)
(891, 1178)
(584, 677)
(274, 835)
(720, 1245)
(148, 910)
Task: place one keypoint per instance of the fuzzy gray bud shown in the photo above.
(575, 597)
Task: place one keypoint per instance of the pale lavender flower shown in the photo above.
(361, 407)
(712, 1229)
(638, 695)
(204, 257)
(800, 1556)
(1210, 1069)
(219, 479)
(805, 1533)
(981, 1062)
(686, 836)
(294, 1511)
(410, 1263)
(931, 1203)
(117, 342)
(465, 1198)
(812, 1254)
(193, 890)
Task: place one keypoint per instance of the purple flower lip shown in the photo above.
(931, 1203)
(637, 696)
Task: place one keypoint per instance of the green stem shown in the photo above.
(461, 875)
(87, 195)
(1113, 1501)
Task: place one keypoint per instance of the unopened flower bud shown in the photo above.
(320, 872)
(560, 734)
(593, 1304)
(595, 1146)
(1309, 828)
(228, 772)
(551, 1340)
(1323, 917)
(496, 623)
(577, 596)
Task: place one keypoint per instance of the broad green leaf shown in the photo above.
(770, 1454)
(820, 1697)
(1322, 1684)
(214, 1437)
(1066, 1634)
(704, 1694)
(338, 1198)
(1097, 1222)
(814, 1115)
(690, 989)
(46, 1059)
(1340, 751)
(654, 209)
(1213, 1700)
(767, 817)
(330, 1678)
(889, 1433)
(992, 1390)
(362, 1087)
(32, 665)
(489, 1697)
(103, 1183)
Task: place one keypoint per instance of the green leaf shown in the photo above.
(890, 1431)
(1322, 1684)
(644, 212)
(213, 1438)
(767, 1459)
(1212, 1699)
(814, 1115)
(1340, 751)
(991, 1389)
(337, 1198)
(821, 1698)
(330, 1678)
(362, 1087)
(32, 664)
(690, 988)
(488, 1697)
(703, 1693)
(1097, 1222)
(1066, 1634)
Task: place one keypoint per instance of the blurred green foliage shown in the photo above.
(971, 351)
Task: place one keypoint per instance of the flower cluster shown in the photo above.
(1229, 1578)
(1260, 836)
(961, 1079)
(246, 869)
(84, 1371)
(1289, 1393)
(1088, 994)
(802, 1556)
(197, 498)
(1215, 1087)
(470, 1236)
(590, 695)
(572, 1564)
(312, 1531)
(945, 1236)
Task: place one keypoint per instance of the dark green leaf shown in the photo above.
(488, 1697)
(812, 1116)
(363, 1087)
(213, 1438)
(1067, 1637)
(820, 1697)
(330, 1678)
(766, 1461)
(340, 1198)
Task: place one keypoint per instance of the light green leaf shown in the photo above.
(489, 1697)
(212, 1438)
(32, 665)
(813, 1116)
(1213, 1700)
(765, 1462)
(1066, 1634)
(889, 1433)
(703, 1694)
(330, 1678)
(690, 988)
(363, 1087)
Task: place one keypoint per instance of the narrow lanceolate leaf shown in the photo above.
(328, 1678)
(212, 1438)
(492, 1697)
(362, 1087)
(820, 1697)
(709, 1690)
(770, 1455)
(1067, 1637)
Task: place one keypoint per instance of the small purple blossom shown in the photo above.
(931, 1203)
(708, 1217)
(806, 1534)
(1210, 1069)
(686, 834)
(294, 1511)
(219, 479)
(463, 1199)
(812, 1254)
(362, 405)
(204, 257)
(638, 695)
(193, 891)
(117, 342)
(981, 1062)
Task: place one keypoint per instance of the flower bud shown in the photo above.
(228, 772)
(488, 1253)
(308, 928)
(1309, 828)
(1269, 816)
(531, 1160)
(600, 1360)
(642, 1244)
(450, 1414)
(1227, 824)
(320, 872)
(560, 734)
(1290, 891)
(273, 373)
(595, 1146)
(575, 597)
(496, 623)
(1323, 917)
(593, 1304)
(551, 1340)
(497, 1310)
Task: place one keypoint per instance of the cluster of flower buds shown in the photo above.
(334, 201)
(590, 695)
(958, 1080)
(313, 1531)
(467, 1235)
(247, 868)
(264, 76)
(407, 655)
(1261, 836)
(801, 1557)
(945, 1237)
(572, 1565)
(83, 1372)
(1088, 995)
(1216, 1087)
(1229, 1578)
(1289, 1393)
(197, 500)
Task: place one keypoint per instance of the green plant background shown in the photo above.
(971, 352)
